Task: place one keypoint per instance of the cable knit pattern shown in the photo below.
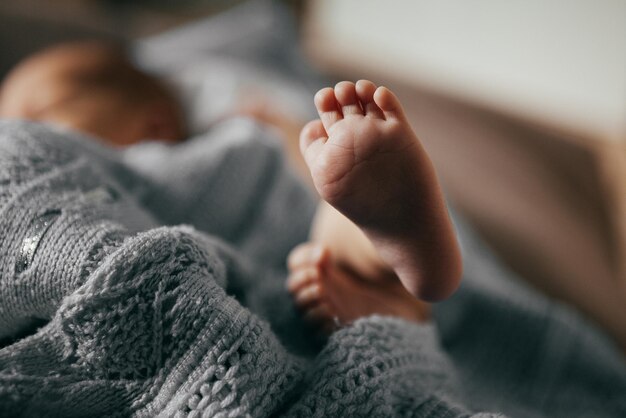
(104, 312)
(41, 178)
(380, 367)
(237, 171)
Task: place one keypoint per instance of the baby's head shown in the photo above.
(92, 87)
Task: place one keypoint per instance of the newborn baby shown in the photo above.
(92, 87)
(382, 239)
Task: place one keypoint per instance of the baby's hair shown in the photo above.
(95, 65)
(90, 86)
(107, 65)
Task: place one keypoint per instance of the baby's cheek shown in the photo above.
(13, 108)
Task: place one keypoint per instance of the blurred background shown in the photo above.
(521, 104)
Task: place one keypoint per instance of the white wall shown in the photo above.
(556, 61)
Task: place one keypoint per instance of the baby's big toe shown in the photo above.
(389, 103)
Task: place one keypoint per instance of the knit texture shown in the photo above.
(106, 311)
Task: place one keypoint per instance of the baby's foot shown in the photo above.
(367, 162)
(330, 296)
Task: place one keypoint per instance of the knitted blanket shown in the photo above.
(110, 307)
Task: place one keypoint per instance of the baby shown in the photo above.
(381, 242)
(92, 87)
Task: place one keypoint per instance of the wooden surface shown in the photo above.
(558, 62)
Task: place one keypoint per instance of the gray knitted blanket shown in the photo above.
(109, 307)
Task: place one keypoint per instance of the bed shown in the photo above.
(497, 347)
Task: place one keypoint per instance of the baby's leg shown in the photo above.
(367, 162)
(330, 296)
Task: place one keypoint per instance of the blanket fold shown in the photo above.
(106, 312)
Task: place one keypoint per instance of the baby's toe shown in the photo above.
(311, 132)
(365, 92)
(345, 92)
(308, 295)
(307, 254)
(327, 107)
(302, 278)
(312, 139)
(388, 103)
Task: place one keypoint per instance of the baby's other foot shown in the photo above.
(367, 162)
(330, 296)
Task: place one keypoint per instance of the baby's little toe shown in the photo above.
(345, 92)
(312, 131)
(312, 139)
